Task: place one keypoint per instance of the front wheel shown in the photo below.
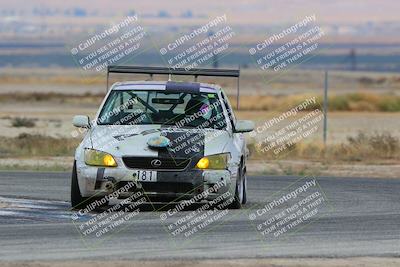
(77, 201)
(240, 190)
(244, 200)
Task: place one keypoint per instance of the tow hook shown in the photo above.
(110, 184)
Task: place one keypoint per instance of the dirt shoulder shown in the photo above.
(388, 169)
(276, 262)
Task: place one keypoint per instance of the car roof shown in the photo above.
(188, 87)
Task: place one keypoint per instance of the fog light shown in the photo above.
(203, 163)
(109, 160)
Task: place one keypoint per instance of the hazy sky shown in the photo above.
(241, 11)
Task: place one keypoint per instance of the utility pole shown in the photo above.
(353, 59)
(325, 106)
(215, 57)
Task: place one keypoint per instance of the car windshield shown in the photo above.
(137, 107)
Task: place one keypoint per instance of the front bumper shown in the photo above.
(170, 185)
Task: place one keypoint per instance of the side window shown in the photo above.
(228, 107)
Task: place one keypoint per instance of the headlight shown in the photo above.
(99, 158)
(214, 162)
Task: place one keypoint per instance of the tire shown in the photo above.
(244, 200)
(238, 199)
(76, 198)
(77, 201)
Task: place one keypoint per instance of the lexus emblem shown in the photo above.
(156, 163)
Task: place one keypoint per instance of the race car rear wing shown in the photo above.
(235, 73)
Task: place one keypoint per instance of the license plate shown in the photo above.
(145, 176)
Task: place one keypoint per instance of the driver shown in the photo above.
(198, 111)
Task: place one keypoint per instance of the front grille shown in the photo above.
(168, 187)
(148, 163)
(162, 187)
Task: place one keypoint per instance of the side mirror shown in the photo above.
(81, 121)
(243, 126)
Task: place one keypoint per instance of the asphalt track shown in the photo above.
(359, 217)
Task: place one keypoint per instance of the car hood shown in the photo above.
(132, 140)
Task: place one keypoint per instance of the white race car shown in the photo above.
(172, 140)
